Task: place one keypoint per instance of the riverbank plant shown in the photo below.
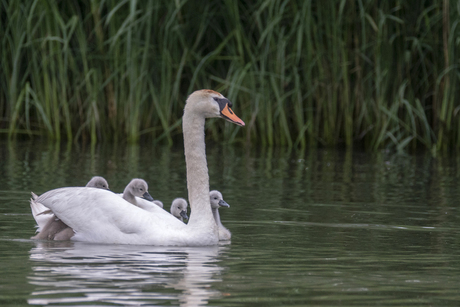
(300, 73)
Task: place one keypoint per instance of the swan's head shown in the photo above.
(179, 208)
(98, 182)
(139, 188)
(210, 103)
(217, 200)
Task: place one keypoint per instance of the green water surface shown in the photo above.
(310, 228)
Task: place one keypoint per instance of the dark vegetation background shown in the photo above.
(300, 73)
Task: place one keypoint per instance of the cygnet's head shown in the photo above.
(138, 187)
(179, 208)
(217, 200)
(209, 103)
(98, 182)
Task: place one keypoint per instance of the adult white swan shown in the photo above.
(101, 216)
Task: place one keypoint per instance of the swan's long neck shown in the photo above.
(215, 213)
(197, 171)
(129, 197)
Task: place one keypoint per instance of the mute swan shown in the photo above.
(179, 209)
(101, 216)
(218, 201)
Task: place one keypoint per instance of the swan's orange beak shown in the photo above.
(228, 114)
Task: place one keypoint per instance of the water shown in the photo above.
(313, 228)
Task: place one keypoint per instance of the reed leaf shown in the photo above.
(301, 73)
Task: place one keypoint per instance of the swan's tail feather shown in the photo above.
(34, 196)
(40, 213)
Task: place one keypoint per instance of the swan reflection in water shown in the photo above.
(75, 272)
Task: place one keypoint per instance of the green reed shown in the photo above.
(301, 73)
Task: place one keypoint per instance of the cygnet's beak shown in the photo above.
(147, 196)
(183, 213)
(223, 203)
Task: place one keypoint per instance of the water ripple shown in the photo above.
(368, 226)
(70, 273)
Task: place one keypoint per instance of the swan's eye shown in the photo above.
(141, 189)
(223, 102)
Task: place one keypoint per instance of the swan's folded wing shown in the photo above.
(148, 205)
(98, 215)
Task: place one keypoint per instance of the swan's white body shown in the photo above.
(103, 217)
(52, 228)
(111, 220)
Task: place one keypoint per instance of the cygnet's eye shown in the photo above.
(141, 189)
